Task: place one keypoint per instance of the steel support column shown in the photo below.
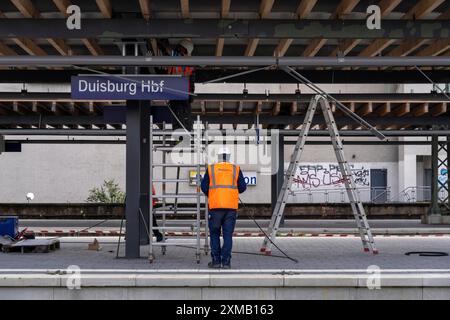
(137, 166)
(277, 146)
(440, 184)
(133, 176)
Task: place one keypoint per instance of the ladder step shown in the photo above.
(177, 213)
(180, 195)
(171, 180)
(177, 242)
(175, 148)
(186, 229)
(174, 165)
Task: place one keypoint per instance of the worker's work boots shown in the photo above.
(213, 265)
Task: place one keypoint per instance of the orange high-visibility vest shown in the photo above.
(223, 186)
(184, 71)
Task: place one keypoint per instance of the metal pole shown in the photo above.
(132, 243)
(156, 133)
(201, 61)
(434, 208)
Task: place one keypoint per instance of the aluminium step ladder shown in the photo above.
(197, 232)
(353, 196)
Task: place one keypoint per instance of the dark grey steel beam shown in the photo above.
(286, 133)
(199, 61)
(228, 119)
(263, 76)
(216, 28)
(374, 97)
(288, 142)
(133, 177)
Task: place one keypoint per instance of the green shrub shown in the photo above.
(109, 192)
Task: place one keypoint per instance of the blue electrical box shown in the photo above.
(9, 226)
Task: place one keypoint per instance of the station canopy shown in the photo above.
(229, 28)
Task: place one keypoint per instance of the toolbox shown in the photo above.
(9, 226)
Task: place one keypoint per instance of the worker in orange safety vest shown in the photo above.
(222, 184)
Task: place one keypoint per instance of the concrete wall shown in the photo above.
(254, 286)
(62, 173)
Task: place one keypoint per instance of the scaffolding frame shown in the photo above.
(195, 230)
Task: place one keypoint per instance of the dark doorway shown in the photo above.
(378, 185)
(425, 193)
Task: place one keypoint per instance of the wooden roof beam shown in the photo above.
(344, 7)
(420, 10)
(225, 10)
(282, 47)
(276, 108)
(303, 10)
(184, 8)
(376, 47)
(60, 46)
(93, 47)
(406, 47)
(365, 109)
(436, 48)
(240, 107)
(420, 110)
(221, 107)
(386, 7)
(384, 109)
(105, 8)
(91, 44)
(258, 108)
(145, 9)
(438, 109)
(294, 108)
(28, 10)
(265, 8)
(314, 47)
(251, 47)
(29, 46)
(219, 46)
(19, 108)
(5, 50)
(403, 109)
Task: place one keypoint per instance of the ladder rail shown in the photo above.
(350, 186)
(289, 175)
(195, 207)
(320, 101)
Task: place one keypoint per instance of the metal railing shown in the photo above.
(339, 195)
(417, 194)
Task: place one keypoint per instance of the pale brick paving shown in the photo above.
(312, 253)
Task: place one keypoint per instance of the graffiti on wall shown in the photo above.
(443, 176)
(328, 176)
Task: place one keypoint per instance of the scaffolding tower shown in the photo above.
(173, 214)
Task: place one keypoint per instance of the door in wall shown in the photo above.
(378, 185)
(425, 193)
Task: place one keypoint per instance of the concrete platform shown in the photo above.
(291, 227)
(328, 268)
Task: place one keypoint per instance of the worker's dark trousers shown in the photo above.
(221, 220)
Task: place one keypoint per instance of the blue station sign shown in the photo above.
(129, 87)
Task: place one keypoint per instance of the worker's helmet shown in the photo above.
(188, 45)
(224, 150)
